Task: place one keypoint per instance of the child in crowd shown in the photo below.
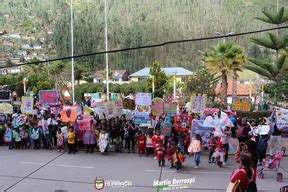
(160, 152)
(262, 147)
(149, 144)
(71, 140)
(171, 148)
(35, 136)
(60, 140)
(155, 140)
(219, 155)
(24, 137)
(211, 148)
(117, 142)
(141, 142)
(16, 138)
(196, 148)
(178, 159)
(103, 142)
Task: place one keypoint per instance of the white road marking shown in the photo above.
(197, 172)
(57, 165)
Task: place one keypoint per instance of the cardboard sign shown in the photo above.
(157, 109)
(141, 118)
(85, 122)
(6, 108)
(49, 97)
(27, 105)
(170, 108)
(128, 114)
(281, 117)
(144, 99)
(241, 104)
(198, 104)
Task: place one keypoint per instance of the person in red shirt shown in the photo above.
(171, 148)
(141, 142)
(155, 140)
(160, 152)
(149, 144)
(245, 173)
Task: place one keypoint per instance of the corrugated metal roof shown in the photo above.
(180, 71)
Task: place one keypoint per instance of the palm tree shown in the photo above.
(225, 58)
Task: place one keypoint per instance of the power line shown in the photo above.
(151, 46)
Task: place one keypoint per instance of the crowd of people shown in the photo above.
(47, 131)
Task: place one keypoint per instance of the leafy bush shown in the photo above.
(253, 115)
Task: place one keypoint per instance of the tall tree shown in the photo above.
(224, 58)
(158, 78)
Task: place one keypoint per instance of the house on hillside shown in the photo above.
(117, 76)
(244, 89)
(180, 73)
(10, 70)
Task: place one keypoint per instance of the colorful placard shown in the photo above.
(48, 97)
(166, 128)
(157, 108)
(282, 117)
(198, 104)
(101, 109)
(6, 108)
(142, 118)
(144, 99)
(27, 105)
(170, 108)
(118, 110)
(241, 104)
(84, 122)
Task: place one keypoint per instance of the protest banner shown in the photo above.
(157, 108)
(84, 122)
(198, 128)
(128, 104)
(27, 105)
(141, 118)
(198, 104)
(166, 128)
(6, 108)
(101, 109)
(241, 104)
(282, 117)
(48, 97)
(170, 108)
(118, 111)
(128, 114)
(144, 99)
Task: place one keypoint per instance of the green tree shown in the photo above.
(224, 58)
(202, 82)
(159, 78)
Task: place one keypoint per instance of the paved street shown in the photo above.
(49, 171)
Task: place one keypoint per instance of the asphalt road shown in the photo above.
(50, 171)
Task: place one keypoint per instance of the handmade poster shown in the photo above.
(84, 122)
(241, 104)
(157, 108)
(18, 120)
(282, 117)
(101, 109)
(144, 99)
(141, 118)
(27, 105)
(64, 130)
(198, 104)
(198, 128)
(129, 104)
(6, 108)
(168, 118)
(118, 111)
(128, 114)
(166, 128)
(170, 108)
(48, 97)
(110, 106)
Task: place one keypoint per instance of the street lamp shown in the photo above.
(220, 34)
(174, 86)
(72, 54)
(106, 49)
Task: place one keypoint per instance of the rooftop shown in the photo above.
(180, 71)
